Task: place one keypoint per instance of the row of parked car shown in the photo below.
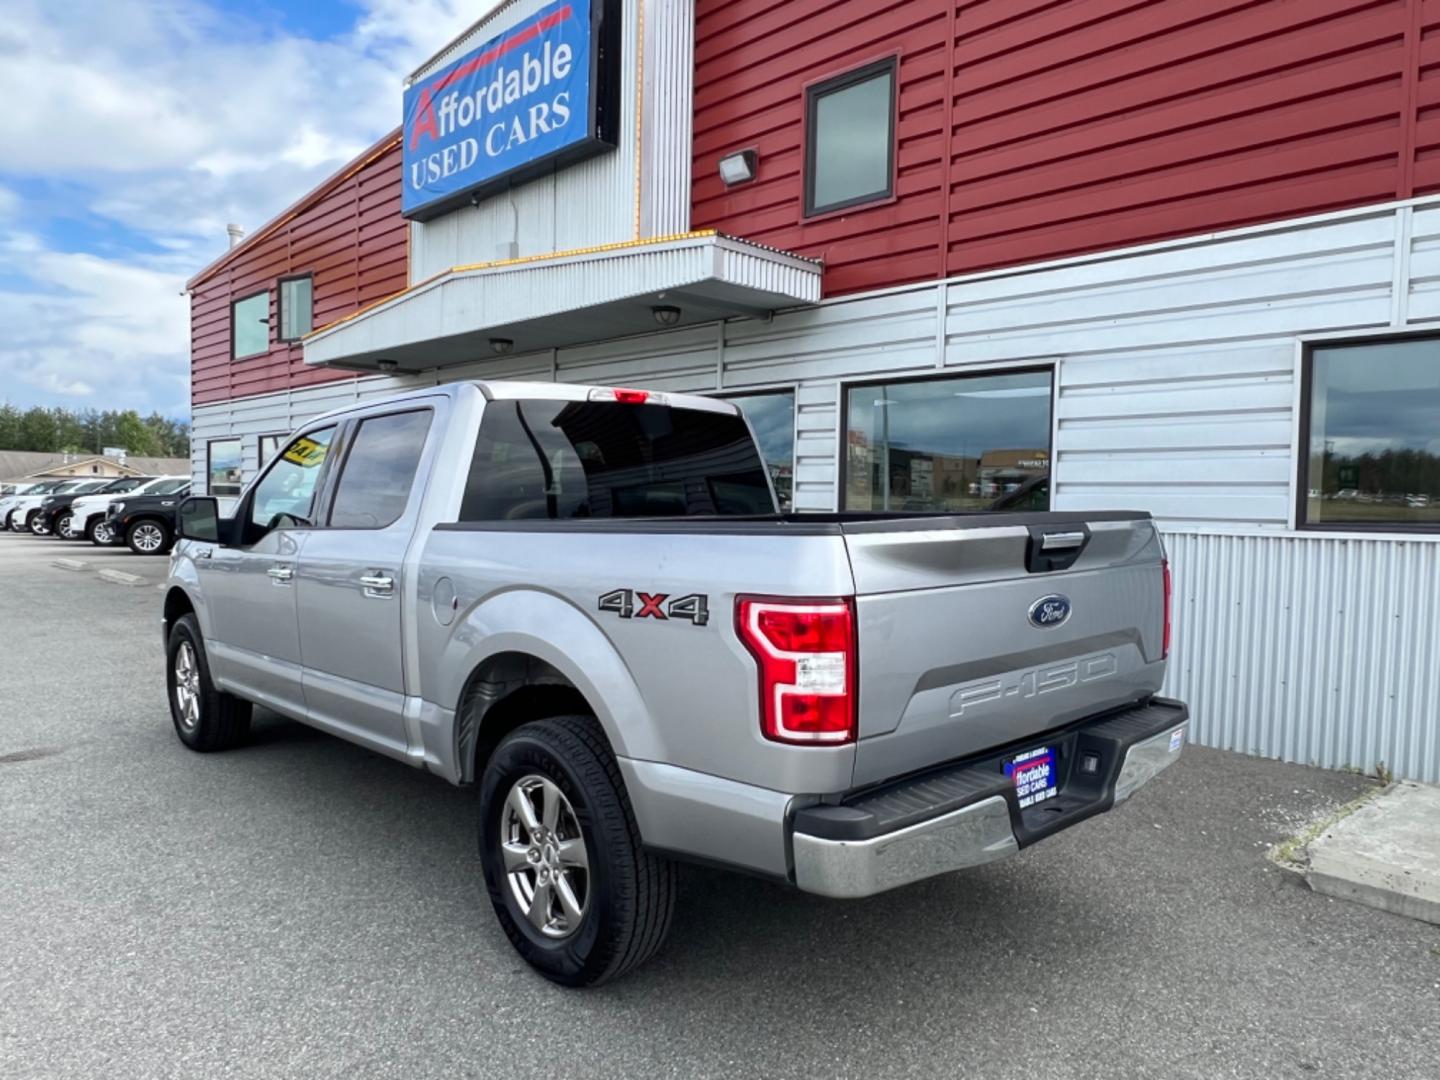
(138, 511)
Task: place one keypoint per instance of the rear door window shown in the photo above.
(601, 459)
(380, 470)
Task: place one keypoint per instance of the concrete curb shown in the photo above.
(70, 564)
(120, 577)
(1385, 855)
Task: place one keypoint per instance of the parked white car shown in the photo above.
(10, 498)
(19, 512)
(87, 513)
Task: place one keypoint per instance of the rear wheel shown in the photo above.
(148, 538)
(206, 719)
(98, 532)
(576, 893)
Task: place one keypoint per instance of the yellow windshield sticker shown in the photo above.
(307, 453)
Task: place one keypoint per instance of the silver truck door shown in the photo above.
(254, 644)
(350, 590)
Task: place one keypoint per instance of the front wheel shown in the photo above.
(99, 533)
(148, 538)
(62, 527)
(576, 893)
(35, 525)
(205, 718)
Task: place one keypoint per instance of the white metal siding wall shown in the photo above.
(595, 201)
(1176, 371)
(1311, 648)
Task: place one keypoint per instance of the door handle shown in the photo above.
(281, 573)
(377, 584)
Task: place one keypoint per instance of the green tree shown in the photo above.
(38, 431)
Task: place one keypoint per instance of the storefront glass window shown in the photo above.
(1374, 435)
(772, 415)
(250, 325)
(850, 141)
(269, 446)
(978, 442)
(223, 471)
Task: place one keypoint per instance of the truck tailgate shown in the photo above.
(951, 661)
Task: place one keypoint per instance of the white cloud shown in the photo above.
(172, 119)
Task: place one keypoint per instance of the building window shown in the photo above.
(296, 308)
(1372, 418)
(250, 326)
(850, 139)
(772, 415)
(269, 447)
(973, 442)
(222, 468)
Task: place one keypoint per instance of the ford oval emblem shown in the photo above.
(1050, 611)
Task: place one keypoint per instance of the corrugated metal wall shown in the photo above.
(350, 237)
(1310, 648)
(1034, 129)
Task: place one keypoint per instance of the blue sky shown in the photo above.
(135, 130)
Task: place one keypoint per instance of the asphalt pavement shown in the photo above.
(301, 907)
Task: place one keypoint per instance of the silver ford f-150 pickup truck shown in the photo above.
(585, 600)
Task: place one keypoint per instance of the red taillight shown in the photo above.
(1169, 609)
(632, 397)
(806, 653)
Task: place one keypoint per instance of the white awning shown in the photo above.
(568, 298)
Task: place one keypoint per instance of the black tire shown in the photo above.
(222, 720)
(32, 524)
(135, 537)
(61, 529)
(630, 893)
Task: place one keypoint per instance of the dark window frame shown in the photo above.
(842, 471)
(280, 305)
(1302, 448)
(235, 339)
(813, 91)
(210, 465)
(280, 437)
(351, 435)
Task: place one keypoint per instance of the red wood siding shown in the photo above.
(1031, 129)
(351, 237)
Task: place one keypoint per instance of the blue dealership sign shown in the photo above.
(538, 96)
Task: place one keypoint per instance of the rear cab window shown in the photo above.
(561, 460)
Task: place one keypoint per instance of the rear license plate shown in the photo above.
(1033, 774)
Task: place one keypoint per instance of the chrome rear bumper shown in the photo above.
(967, 814)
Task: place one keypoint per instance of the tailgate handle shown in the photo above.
(1055, 549)
(1061, 541)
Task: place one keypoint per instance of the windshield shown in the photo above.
(128, 483)
(600, 459)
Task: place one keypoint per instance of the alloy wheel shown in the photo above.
(62, 528)
(148, 538)
(187, 686)
(546, 863)
(103, 534)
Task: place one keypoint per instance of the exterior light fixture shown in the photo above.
(501, 345)
(386, 366)
(738, 168)
(666, 314)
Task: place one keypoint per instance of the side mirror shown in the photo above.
(199, 519)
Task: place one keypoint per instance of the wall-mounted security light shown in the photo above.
(666, 314)
(738, 168)
(386, 366)
(501, 345)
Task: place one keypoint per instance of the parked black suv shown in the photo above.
(145, 523)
